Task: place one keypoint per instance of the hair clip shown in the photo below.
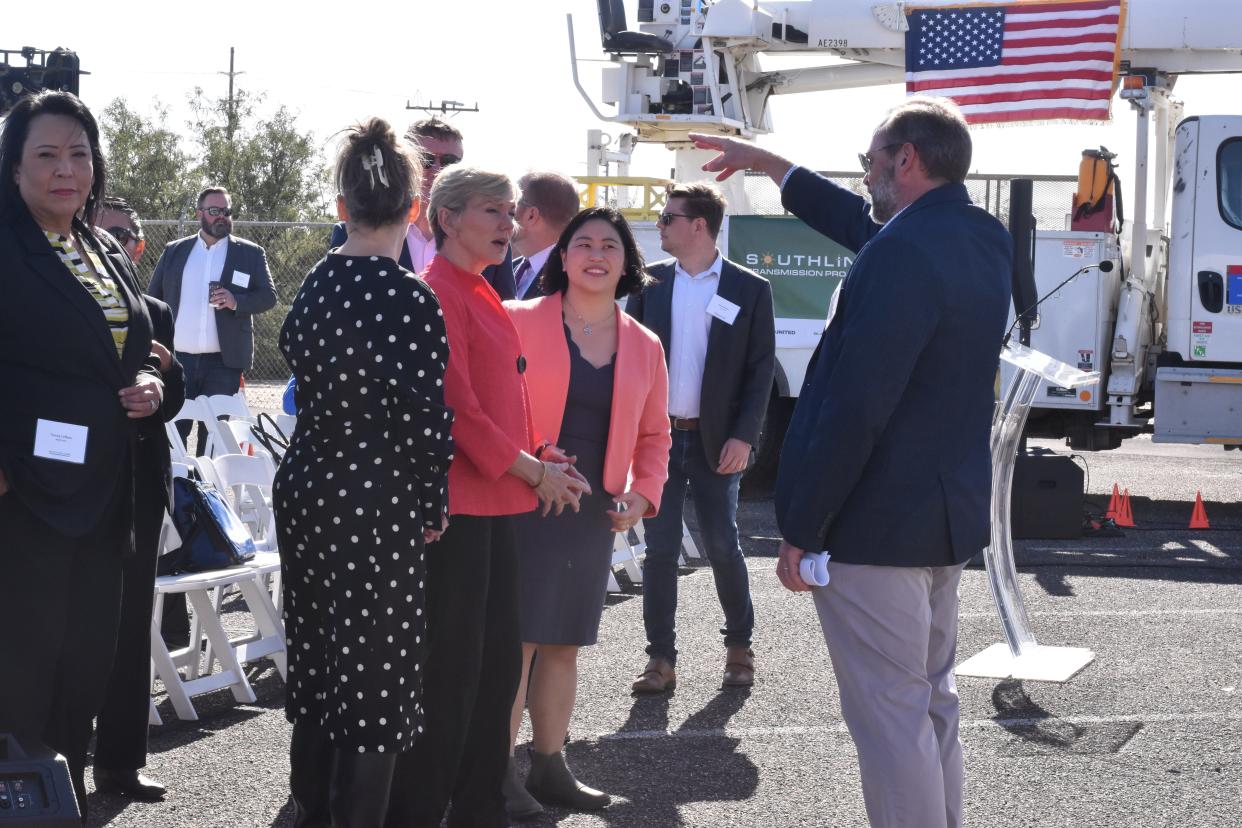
(375, 164)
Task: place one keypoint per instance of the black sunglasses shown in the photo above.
(444, 159)
(216, 212)
(667, 218)
(123, 234)
(866, 160)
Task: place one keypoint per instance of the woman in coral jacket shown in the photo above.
(599, 391)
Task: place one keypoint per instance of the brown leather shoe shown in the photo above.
(739, 668)
(658, 677)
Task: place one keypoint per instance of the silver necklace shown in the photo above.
(588, 327)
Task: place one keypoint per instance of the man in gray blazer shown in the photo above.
(214, 282)
(715, 321)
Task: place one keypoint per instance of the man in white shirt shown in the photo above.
(214, 282)
(547, 202)
(715, 321)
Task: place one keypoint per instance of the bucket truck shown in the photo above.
(1156, 305)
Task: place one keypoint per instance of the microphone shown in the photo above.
(1105, 266)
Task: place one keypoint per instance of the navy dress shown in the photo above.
(564, 560)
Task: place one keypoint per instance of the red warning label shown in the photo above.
(1201, 327)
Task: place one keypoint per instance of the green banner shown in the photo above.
(803, 266)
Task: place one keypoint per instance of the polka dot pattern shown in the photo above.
(366, 471)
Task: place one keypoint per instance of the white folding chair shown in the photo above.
(629, 556)
(249, 480)
(197, 411)
(688, 547)
(231, 405)
(197, 588)
(176, 446)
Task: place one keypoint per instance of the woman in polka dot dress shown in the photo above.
(359, 493)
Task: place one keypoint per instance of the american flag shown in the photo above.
(1017, 62)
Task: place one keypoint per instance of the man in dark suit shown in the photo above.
(715, 321)
(886, 463)
(121, 727)
(214, 282)
(547, 202)
(440, 145)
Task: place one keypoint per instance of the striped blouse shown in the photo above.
(97, 282)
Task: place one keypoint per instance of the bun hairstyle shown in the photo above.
(377, 174)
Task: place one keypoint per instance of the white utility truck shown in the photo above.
(1156, 305)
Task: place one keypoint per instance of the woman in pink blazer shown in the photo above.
(599, 391)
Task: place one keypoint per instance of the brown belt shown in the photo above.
(684, 423)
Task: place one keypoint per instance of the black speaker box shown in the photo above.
(1047, 496)
(35, 788)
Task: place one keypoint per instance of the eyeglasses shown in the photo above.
(216, 212)
(866, 160)
(442, 160)
(123, 234)
(667, 218)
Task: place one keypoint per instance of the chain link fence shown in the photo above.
(1052, 195)
(292, 250)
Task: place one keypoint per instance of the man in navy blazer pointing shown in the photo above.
(886, 463)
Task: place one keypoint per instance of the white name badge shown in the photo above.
(242, 280)
(723, 309)
(65, 442)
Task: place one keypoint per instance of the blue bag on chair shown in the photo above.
(213, 536)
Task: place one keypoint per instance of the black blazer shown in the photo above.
(499, 276)
(741, 358)
(234, 327)
(536, 288)
(153, 461)
(59, 363)
(886, 459)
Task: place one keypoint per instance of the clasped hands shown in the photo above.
(560, 484)
(146, 395)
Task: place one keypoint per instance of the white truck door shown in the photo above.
(1213, 283)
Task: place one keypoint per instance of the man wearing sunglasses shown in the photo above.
(715, 321)
(215, 283)
(440, 145)
(121, 222)
(886, 463)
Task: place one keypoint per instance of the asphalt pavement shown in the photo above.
(1149, 734)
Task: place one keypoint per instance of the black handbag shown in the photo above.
(270, 436)
(212, 535)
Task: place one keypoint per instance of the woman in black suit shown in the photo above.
(76, 363)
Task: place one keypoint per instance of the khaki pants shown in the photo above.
(892, 635)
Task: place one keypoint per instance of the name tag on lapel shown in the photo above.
(65, 442)
(723, 309)
(242, 280)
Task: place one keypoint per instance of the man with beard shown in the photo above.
(885, 464)
(214, 282)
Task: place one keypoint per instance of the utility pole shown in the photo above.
(232, 106)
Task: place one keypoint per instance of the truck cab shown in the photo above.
(1198, 382)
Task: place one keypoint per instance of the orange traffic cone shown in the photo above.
(242, 382)
(1199, 518)
(1114, 504)
(1125, 517)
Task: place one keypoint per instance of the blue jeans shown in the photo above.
(715, 504)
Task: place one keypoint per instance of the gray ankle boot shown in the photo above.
(519, 804)
(552, 783)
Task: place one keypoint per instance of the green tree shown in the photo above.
(273, 171)
(146, 162)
